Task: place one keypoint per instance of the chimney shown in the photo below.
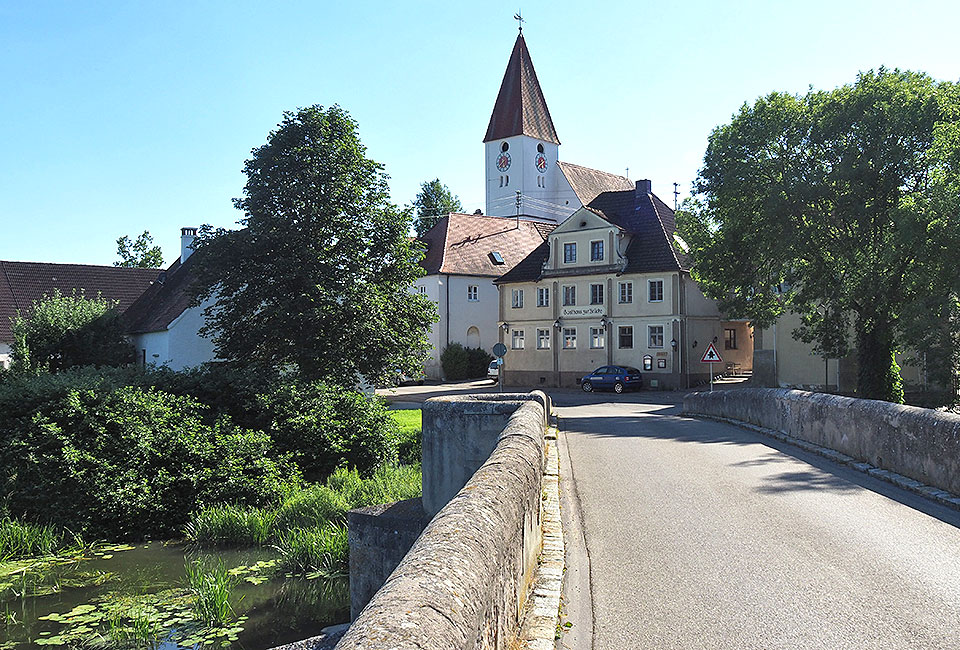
(187, 235)
(643, 188)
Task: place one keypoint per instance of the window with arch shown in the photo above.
(504, 146)
(539, 148)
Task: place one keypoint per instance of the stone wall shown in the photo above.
(919, 443)
(464, 581)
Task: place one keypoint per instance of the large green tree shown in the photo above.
(317, 280)
(842, 206)
(63, 331)
(433, 202)
(140, 253)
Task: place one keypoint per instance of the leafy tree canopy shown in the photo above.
(318, 278)
(140, 253)
(61, 332)
(434, 202)
(842, 206)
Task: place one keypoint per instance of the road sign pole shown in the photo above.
(500, 375)
(711, 376)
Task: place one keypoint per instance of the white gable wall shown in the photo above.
(180, 345)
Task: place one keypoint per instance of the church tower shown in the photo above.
(522, 146)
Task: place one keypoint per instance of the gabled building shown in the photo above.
(464, 254)
(611, 285)
(24, 283)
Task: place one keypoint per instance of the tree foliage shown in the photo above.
(65, 331)
(140, 253)
(842, 206)
(318, 278)
(434, 202)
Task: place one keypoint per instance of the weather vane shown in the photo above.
(517, 17)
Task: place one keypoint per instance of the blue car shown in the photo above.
(619, 378)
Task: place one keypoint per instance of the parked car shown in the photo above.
(493, 370)
(403, 379)
(619, 378)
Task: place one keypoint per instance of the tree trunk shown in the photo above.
(878, 375)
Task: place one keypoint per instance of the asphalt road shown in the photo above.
(696, 534)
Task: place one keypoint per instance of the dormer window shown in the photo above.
(570, 253)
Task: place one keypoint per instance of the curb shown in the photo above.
(933, 493)
(542, 609)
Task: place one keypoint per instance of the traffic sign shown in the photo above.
(499, 350)
(710, 355)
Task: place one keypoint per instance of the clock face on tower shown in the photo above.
(541, 162)
(503, 161)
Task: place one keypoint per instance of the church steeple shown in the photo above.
(520, 108)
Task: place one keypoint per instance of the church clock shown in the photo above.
(503, 161)
(541, 162)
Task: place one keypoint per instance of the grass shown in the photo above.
(211, 587)
(323, 550)
(20, 540)
(312, 506)
(409, 423)
(230, 525)
(389, 483)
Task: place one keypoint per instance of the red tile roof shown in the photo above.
(23, 283)
(461, 244)
(520, 108)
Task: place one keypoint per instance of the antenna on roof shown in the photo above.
(628, 173)
(676, 193)
(517, 17)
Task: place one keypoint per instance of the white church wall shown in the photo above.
(186, 347)
(4, 355)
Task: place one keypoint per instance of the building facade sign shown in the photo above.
(580, 312)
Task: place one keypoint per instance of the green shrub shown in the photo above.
(321, 549)
(313, 506)
(230, 525)
(130, 462)
(409, 435)
(459, 362)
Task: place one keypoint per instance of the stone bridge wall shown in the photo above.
(464, 582)
(922, 444)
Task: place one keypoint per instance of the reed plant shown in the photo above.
(312, 506)
(387, 484)
(211, 587)
(19, 540)
(323, 550)
(230, 525)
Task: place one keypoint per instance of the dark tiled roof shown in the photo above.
(460, 244)
(587, 183)
(520, 108)
(23, 283)
(161, 304)
(648, 220)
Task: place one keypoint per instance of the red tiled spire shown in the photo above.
(521, 108)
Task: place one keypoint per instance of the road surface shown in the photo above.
(694, 534)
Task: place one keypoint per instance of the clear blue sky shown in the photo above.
(122, 117)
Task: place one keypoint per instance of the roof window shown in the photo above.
(497, 258)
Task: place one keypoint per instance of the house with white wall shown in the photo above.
(163, 327)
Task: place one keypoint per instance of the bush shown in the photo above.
(459, 362)
(130, 462)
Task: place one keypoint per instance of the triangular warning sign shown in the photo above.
(710, 355)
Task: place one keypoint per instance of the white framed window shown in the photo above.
(517, 340)
(543, 339)
(596, 251)
(473, 293)
(655, 290)
(543, 296)
(570, 295)
(570, 253)
(421, 290)
(598, 338)
(517, 298)
(596, 294)
(626, 292)
(656, 335)
(569, 338)
(625, 336)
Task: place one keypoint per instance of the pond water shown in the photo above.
(137, 596)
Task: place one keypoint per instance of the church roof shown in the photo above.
(648, 220)
(588, 183)
(464, 244)
(23, 283)
(520, 108)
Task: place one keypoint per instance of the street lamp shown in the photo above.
(556, 324)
